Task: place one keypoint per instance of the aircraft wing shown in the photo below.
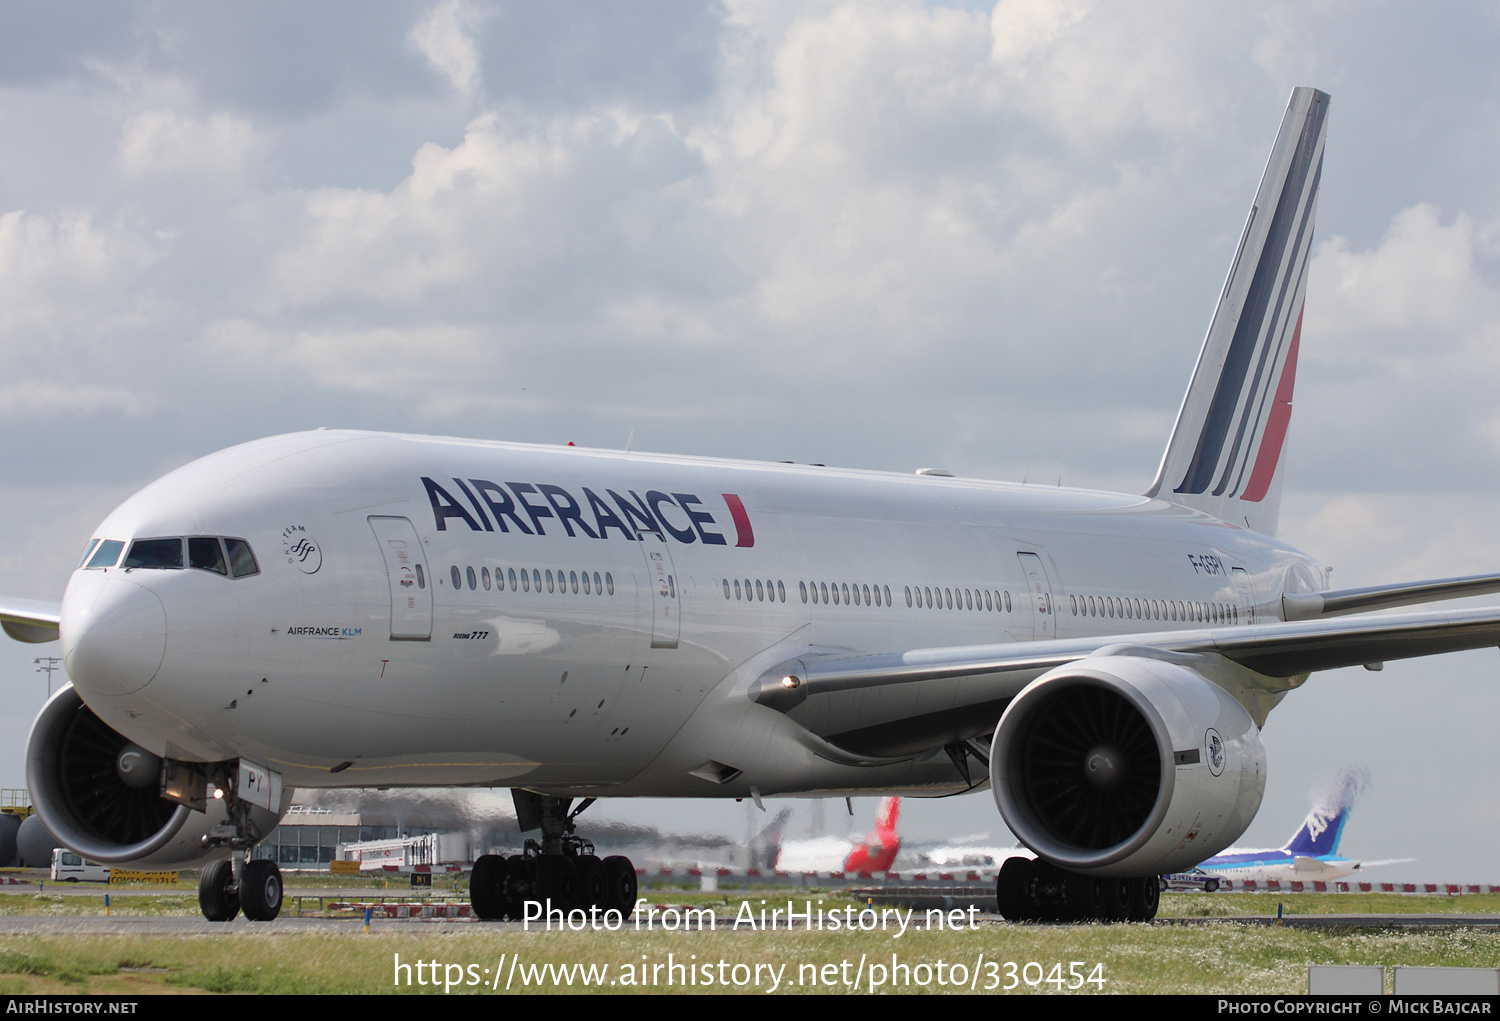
(30, 620)
(887, 706)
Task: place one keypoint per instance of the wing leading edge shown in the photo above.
(30, 620)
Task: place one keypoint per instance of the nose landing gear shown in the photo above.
(227, 886)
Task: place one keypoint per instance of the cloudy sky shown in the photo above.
(881, 234)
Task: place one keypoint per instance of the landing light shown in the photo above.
(790, 681)
(218, 794)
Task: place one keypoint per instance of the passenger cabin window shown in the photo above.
(155, 554)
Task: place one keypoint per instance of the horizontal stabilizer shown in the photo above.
(1311, 605)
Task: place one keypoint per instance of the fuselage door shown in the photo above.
(661, 579)
(411, 584)
(1247, 594)
(1044, 621)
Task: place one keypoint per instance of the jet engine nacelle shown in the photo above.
(98, 793)
(1127, 765)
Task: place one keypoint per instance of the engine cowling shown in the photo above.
(1127, 765)
(97, 792)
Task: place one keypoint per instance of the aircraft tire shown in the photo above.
(261, 890)
(1145, 898)
(1117, 899)
(593, 890)
(520, 876)
(1083, 898)
(1012, 889)
(557, 882)
(214, 898)
(487, 887)
(620, 885)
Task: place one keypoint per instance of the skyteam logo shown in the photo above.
(1215, 746)
(301, 549)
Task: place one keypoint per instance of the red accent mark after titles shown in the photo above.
(741, 520)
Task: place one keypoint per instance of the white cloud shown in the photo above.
(427, 232)
(443, 38)
(396, 363)
(66, 283)
(222, 147)
(1373, 538)
(1420, 275)
(651, 319)
(1020, 27)
(41, 400)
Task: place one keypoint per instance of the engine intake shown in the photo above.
(83, 779)
(1126, 765)
(97, 792)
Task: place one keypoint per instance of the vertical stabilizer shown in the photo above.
(765, 848)
(886, 818)
(1225, 454)
(1324, 827)
(878, 851)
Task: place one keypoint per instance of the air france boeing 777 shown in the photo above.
(340, 608)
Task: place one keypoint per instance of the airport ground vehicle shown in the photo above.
(68, 867)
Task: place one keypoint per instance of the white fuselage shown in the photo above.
(325, 667)
(1243, 866)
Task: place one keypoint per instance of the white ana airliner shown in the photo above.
(1312, 853)
(355, 609)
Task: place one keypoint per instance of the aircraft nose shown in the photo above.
(114, 634)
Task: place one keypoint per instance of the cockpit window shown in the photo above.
(241, 559)
(106, 554)
(205, 553)
(155, 554)
(85, 558)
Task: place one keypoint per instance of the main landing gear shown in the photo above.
(1038, 891)
(562, 868)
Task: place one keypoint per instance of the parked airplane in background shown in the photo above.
(874, 853)
(1311, 854)
(341, 608)
(765, 847)
(961, 853)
